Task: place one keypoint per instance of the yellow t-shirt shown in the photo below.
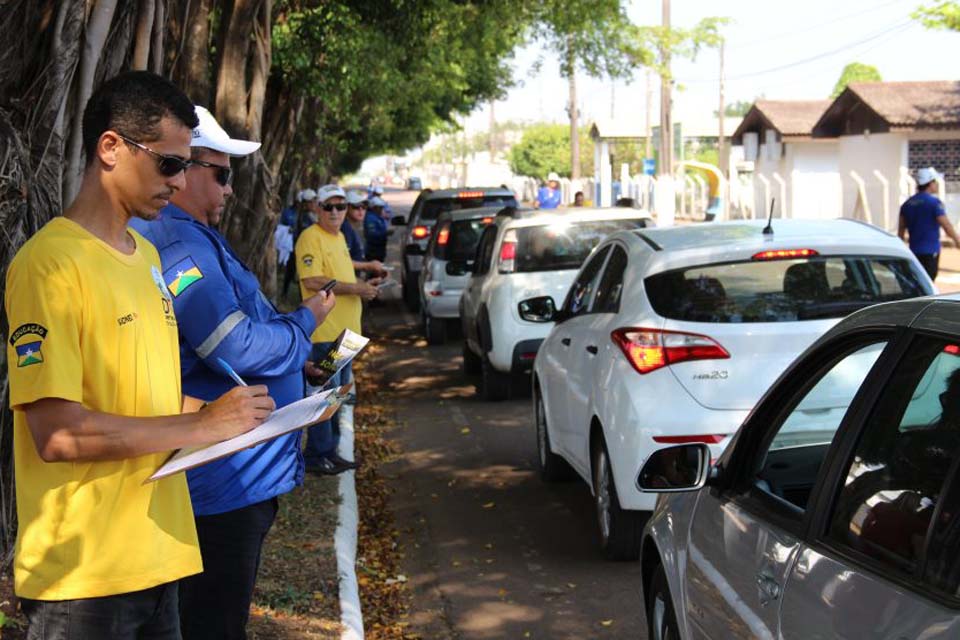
(320, 253)
(92, 325)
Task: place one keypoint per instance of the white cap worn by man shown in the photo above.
(927, 175)
(210, 135)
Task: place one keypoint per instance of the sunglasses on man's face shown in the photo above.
(168, 166)
(335, 207)
(223, 174)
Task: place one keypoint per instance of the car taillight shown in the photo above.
(420, 232)
(784, 254)
(952, 349)
(486, 221)
(443, 236)
(708, 439)
(470, 194)
(508, 252)
(651, 349)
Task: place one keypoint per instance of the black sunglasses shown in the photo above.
(167, 165)
(223, 174)
(335, 207)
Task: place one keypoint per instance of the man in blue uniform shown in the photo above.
(922, 217)
(223, 315)
(375, 230)
(549, 196)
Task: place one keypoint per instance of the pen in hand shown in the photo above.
(231, 372)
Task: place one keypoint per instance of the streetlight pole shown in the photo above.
(666, 87)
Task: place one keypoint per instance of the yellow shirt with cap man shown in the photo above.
(92, 325)
(321, 253)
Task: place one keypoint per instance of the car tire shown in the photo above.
(494, 386)
(619, 529)
(553, 468)
(435, 329)
(411, 297)
(471, 361)
(661, 616)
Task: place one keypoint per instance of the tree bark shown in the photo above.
(156, 45)
(144, 36)
(191, 68)
(574, 117)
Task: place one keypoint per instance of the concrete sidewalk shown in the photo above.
(948, 280)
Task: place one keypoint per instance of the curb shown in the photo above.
(345, 537)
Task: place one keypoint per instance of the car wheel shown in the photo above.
(435, 329)
(494, 386)
(411, 296)
(661, 617)
(471, 361)
(620, 529)
(553, 468)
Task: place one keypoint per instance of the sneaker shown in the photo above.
(337, 460)
(328, 467)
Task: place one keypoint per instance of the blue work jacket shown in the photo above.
(353, 241)
(221, 313)
(374, 231)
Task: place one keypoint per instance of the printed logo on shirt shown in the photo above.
(126, 319)
(308, 259)
(25, 341)
(182, 276)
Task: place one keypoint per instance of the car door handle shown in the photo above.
(769, 589)
(592, 349)
(565, 342)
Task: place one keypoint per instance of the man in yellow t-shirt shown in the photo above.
(94, 373)
(322, 255)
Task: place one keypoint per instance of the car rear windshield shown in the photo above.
(781, 290)
(434, 207)
(462, 242)
(564, 245)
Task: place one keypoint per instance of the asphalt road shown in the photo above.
(490, 551)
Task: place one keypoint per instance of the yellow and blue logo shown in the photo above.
(28, 352)
(182, 275)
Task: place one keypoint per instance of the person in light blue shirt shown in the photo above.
(549, 196)
(223, 314)
(922, 217)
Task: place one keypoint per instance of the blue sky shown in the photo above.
(777, 49)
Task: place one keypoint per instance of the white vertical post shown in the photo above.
(665, 200)
(862, 192)
(885, 186)
(606, 175)
(597, 181)
(783, 194)
(766, 196)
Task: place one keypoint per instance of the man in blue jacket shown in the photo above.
(222, 314)
(921, 219)
(375, 230)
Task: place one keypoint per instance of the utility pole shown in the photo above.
(666, 98)
(574, 125)
(721, 144)
(648, 133)
(493, 133)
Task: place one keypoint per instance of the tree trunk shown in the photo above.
(191, 64)
(574, 116)
(156, 46)
(144, 37)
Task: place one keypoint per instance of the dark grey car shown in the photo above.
(835, 510)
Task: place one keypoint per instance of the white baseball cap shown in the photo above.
(355, 197)
(927, 175)
(211, 135)
(328, 191)
(553, 177)
(306, 194)
(377, 202)
(377, 189)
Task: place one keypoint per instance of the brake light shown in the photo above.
(443, 236)
(486, 221)
(709, 439)
(952, 349)
(784, 254)
(420, 232)
(508, 252)
(470, 194)
(651, 349)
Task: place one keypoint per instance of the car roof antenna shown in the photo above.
(768, 230)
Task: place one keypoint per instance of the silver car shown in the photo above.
(446, 268)
(835, 510)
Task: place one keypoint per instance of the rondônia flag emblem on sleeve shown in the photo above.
(182, 275)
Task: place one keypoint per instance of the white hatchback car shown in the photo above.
(525, 254)
(671, 335)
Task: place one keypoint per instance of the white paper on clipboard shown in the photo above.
(297, 415)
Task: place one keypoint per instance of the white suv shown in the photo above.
(524, 255)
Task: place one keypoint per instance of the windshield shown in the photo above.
(564, 245)
(462, 240)
(433, 208)
(782, 290)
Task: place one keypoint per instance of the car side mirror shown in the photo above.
(456, 268)
(398, 221)
(676, 469)
(539, 309)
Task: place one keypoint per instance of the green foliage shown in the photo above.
(855, 72)
(678, 43)
(943, 15)
(544, 148)
(736, 109)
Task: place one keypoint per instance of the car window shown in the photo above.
(462, 239)
(782, 290)
(578, 298)
(564, 245)
(485, 249)
(433, 207)
(611, 283)
(895, 476)
(791, 459)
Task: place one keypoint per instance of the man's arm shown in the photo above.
(66, 431)
(947, 227)
(902, 228)
(372, 266)
(366, 290)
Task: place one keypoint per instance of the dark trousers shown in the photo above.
(931, 263)
(150, 614)
(216, 603)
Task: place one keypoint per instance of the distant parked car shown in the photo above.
(671, 335)
(834, 512)
(414, 184)
(423, 216)
(523, 255)
(446, 268)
